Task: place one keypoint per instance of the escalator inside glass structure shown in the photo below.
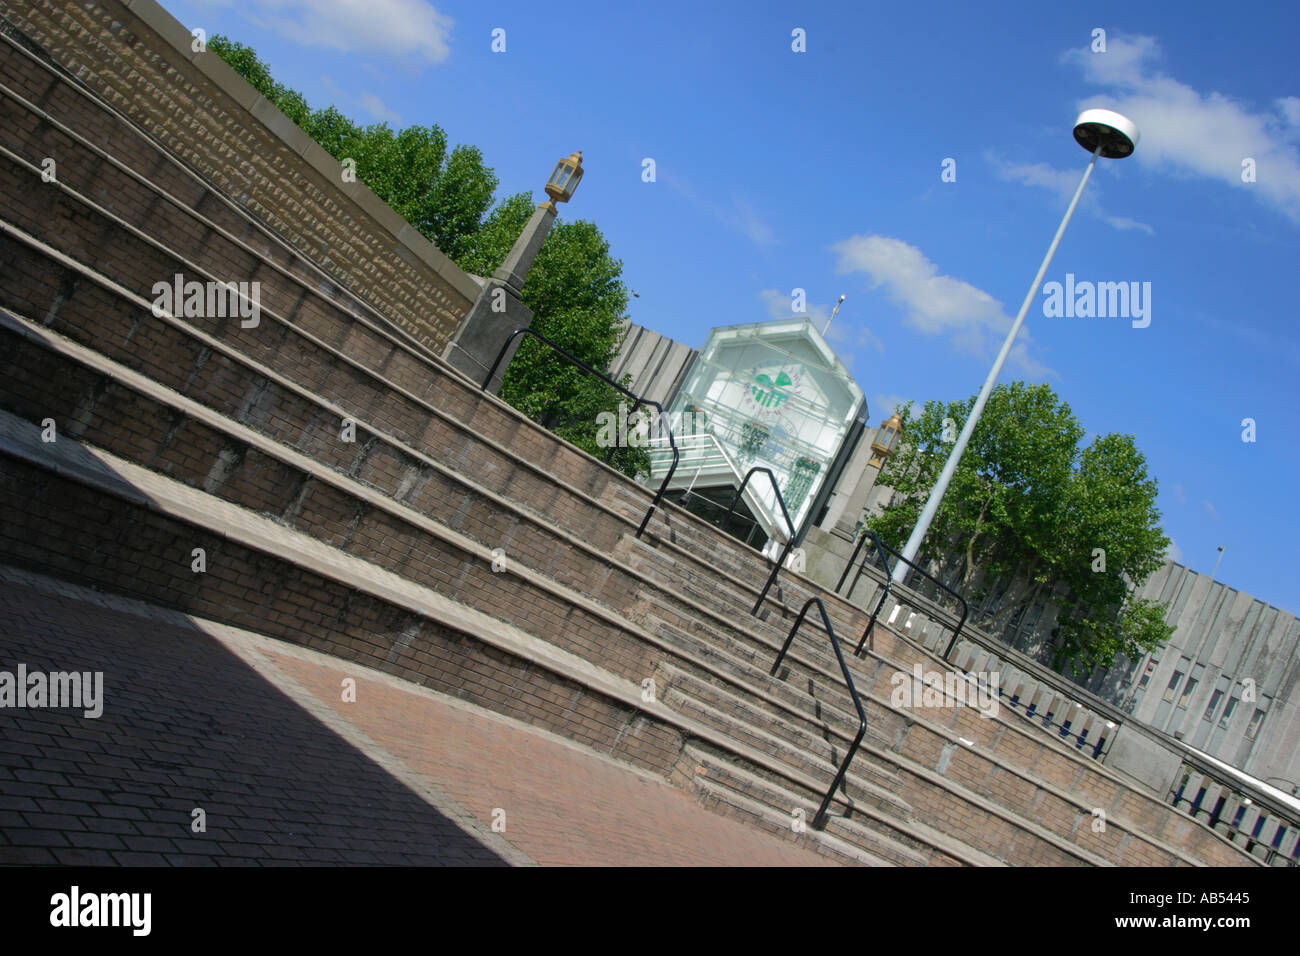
(770, 395)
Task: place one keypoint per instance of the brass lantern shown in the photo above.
(564, 180)
(886, 440)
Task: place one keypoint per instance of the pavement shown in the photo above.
(218, 746)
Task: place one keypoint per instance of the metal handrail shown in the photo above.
(609, 381)
(789, 543)
(853, 692)
(884, 594)
(884, 550)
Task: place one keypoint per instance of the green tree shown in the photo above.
(578, 297)
(444, 195)
(1030, 515)
(574, 288)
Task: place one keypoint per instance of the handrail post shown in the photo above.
(884, 552)
(819, 819)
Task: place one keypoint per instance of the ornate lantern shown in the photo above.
(564, 180)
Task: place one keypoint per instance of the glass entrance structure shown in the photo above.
(768, 394)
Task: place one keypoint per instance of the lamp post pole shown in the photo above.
(499, 308)
(1104, 134)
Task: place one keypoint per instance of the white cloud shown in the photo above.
(885, 405)
(373, 105)
(1180, 495)
(411, 29)
(845, 335)
(366, 100)
(1124, 222)
(1194, 133)
(844, 331)
(1209, 506)
(743, 218)
(738, 213)
(936, 304)
(1063, 183)
(1175, 553)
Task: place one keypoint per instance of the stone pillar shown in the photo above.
(499, 310)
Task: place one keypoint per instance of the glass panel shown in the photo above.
(1173, 685)
(1187, 692)
(1215, 700)
(1256, 719)
(1227, 712)
(774, 396)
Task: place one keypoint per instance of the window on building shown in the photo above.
(1215, 699)
(1173, 685)
(1227, 712)
(1186, 695)
(1256, 720)
(1146, 674)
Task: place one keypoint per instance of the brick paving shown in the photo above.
(256, 733)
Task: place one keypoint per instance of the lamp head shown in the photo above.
(1118, 135)
(564, 180)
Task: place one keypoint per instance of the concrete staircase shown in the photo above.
(324, 479)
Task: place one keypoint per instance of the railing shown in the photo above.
(1262, 831)
(853, 692)
(789, 542)
(882, 550)
(639, 401)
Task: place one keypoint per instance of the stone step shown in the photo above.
(280, 581)
(448, 563)
(787, 806)
(134, 176)
(815, 761)
(169, 340)
(476, 586)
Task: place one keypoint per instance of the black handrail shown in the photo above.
(608, 381)
(884, 594)
(790, 524)
(853, 692)
(884, 550)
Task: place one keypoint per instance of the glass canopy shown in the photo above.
(771, 394)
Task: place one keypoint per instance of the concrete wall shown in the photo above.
(656, 363)
(140, 60)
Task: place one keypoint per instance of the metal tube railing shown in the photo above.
(884, 594)
(610, 382)
(853, 692)
(771, 579)
(884, 550)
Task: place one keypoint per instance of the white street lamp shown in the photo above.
(833, 312)
(1102, 133)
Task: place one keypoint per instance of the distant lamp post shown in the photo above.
(565, 179)
(1102, 133)
(886, 440)
(834, 311)
(494, 316)
(1216, 563)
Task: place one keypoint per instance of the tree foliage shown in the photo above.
(577, 295)
(1031, 515)
(574, 288)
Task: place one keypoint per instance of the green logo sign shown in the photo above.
(765, 392)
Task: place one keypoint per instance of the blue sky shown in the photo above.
(821, 170)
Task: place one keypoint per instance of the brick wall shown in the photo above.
(139, 60)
